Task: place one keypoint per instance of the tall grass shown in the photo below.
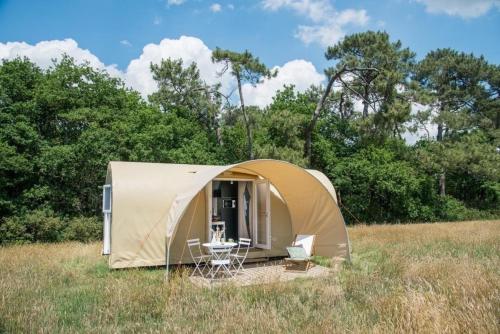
(403, 278)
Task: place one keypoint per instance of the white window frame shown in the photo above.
(104, 188)
(106, 245)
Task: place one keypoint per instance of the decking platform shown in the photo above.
(263, 273)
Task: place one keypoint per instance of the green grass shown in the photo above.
(406, 278)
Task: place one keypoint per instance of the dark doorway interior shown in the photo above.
(226, 193)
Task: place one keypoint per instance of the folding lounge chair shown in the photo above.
(300, 253)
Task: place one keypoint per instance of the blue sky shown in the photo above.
(278, 31)
(100, 26)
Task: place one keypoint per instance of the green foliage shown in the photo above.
(243, 65)
(181, 91)
(451, 209)
(43, 225)
(40, 225)
(245, 68)
(380, 83)
(282, 125)
(83, 229)
(459, 88)
(378, 186)
(472, 164)
(61, 126)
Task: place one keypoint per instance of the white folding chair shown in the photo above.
(238, 258)
(220, 262)
(198, 257)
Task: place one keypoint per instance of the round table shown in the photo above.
(219, 245)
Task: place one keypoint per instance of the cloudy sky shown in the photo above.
(124, 36)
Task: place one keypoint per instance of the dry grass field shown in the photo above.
(430, 278)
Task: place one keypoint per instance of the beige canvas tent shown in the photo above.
(151, 209)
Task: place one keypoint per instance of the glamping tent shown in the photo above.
(151, 209)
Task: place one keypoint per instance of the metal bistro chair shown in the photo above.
(198, 257)
(220, 262)
(238, 258)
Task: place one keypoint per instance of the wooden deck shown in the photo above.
(263, 273)
(258, 253)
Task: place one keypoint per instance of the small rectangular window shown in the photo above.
(106, 198)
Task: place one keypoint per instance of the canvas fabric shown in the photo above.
(156, 204)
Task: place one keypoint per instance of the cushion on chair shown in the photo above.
(306, 241)
(297, 253)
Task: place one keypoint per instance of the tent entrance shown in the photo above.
(242, 208)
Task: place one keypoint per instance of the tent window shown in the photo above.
(106, 198)
(106, 209)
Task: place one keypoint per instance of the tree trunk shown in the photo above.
(439, 136)
(316, 114)
(442, 184)
(246, 119)
(341, 106)
(365, 101)
(319, 107)
(442, 176)
(218, 134)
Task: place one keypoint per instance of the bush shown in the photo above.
(449, 208)
(38, 225)
(83, 229)
(378, 187)
(45, 226)
(12, 230)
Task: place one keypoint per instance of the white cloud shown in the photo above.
(300, 73)
(462, 8)
(230, 6)
(137, 75)
(189, 49)
(316, 10)
(43, 52)
(328, 24)
(125, 42)
(352, 16)
(215, 8)
(175, 2)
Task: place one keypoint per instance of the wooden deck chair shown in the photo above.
(300, 253)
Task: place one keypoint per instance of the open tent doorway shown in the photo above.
(242, 208)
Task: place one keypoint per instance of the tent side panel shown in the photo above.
(312, 205)
(194, 224)
(142, 196)
(281, 225)
(325, 181)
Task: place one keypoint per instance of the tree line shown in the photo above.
(61, 126)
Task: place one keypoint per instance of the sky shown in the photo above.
(125, 36)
